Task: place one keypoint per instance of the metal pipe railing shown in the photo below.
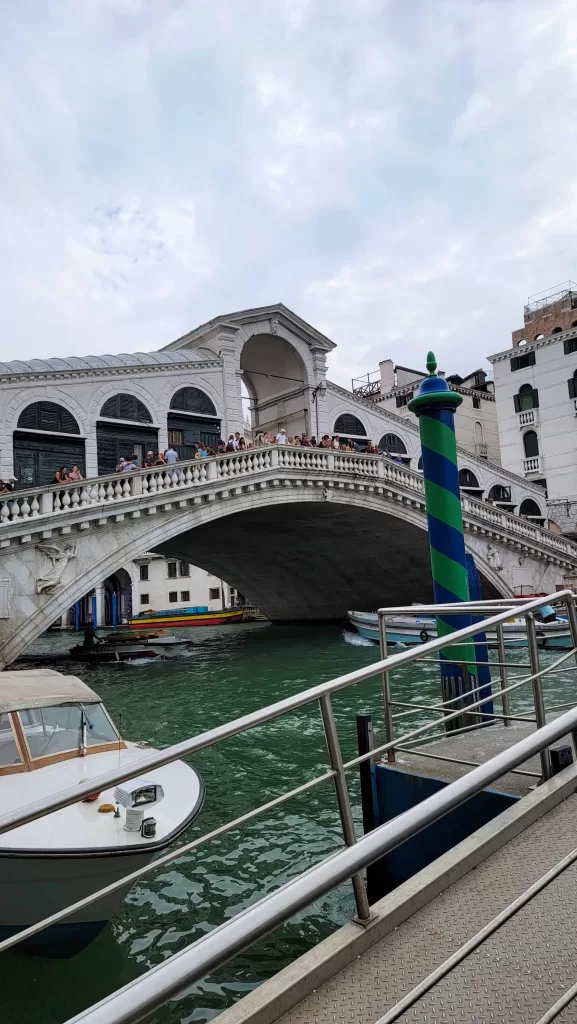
(141, 997)
(186, 748)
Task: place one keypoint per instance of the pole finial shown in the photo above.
(431, 364)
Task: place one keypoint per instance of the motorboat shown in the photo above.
(108, 653)
(418, 629)
(54, 734)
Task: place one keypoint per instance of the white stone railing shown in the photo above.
(58, 499)
(528, 418)
(532, 465)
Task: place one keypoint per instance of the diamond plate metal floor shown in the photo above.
(514, 976)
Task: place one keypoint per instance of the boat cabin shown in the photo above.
(47, 717)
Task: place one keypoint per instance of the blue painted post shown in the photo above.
(435, 405)
(94, 620)
(114, 609)
(77, 616)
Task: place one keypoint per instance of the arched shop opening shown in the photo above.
(116, 606)
(192, 418)
(46, 437)
(469, 484)
(349, 428)
(123, 429)
(392, 445)
(501, 496)
(529, 509)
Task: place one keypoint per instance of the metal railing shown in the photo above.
(139, 998)
(465, 703)
(320, 694)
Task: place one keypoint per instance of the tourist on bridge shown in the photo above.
(281, 436)
(75, 473)
(61, 475)
(148, 460)
(170, 456)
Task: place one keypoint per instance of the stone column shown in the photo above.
(99, 591)
(231, 377)
(318, 409)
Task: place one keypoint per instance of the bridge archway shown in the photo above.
(277, 381)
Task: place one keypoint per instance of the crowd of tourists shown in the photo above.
(237, 443)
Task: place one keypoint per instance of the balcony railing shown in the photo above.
(528, 418)
(481, 450)
(532, 465)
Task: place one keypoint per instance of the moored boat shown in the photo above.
(55, 733)
(185, 617)
(418, 629)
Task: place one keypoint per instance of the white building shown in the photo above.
(392, 388)
(159, 582)
(536, 400)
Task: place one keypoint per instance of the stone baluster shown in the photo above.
(25, 507)
(35, 506)
(15, 512)
(75, 497)
(4, 512)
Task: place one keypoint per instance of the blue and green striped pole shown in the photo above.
(435, 406)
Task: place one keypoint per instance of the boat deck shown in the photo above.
(515, 975)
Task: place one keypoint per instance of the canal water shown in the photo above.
(228, 672)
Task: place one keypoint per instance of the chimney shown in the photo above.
(387, 368)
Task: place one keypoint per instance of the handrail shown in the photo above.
(39, 808)
(36, 504)
(136, 1000)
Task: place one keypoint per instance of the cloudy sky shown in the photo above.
(401, 173)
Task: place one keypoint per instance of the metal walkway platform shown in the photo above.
(514, 976)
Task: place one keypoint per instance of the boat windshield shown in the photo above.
(9, 753)
(66, 727)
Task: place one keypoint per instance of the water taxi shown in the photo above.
(54, 734)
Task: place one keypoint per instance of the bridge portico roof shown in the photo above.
(121, 360)
(277, 311)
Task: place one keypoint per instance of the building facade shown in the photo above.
(536, 401)
(476, 430)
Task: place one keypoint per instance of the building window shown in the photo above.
(192, 400)
(48, 416)
(569, 346)
(527, 398)
(476, 403)
(185, 595)
(520, 362)
(183, 569)
(125, 407)
(538, 337)
(172, 596)
(172, 570)
(468, 479)
(556, 330)
(214, 594)
(500, 493)
(144, 598)
(404, 399)
(572, 385)
(392, 444)
(531, 444)
(349, 425)
(175, 437)
(143, 573)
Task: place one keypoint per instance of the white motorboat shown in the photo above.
(552, 631)
(54, 733)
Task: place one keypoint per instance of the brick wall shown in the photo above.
(544, 321)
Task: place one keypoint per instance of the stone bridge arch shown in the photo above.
(310, 555)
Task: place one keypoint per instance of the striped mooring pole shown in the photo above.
(435, 405)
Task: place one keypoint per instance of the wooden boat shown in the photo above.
(168, 618)
(105, 653)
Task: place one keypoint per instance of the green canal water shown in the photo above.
(228, 672)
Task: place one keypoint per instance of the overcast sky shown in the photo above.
(401, 174)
